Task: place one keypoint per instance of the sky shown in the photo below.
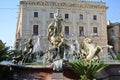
(9, 14)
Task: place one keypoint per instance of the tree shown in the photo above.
(5, 72)
(4, 52)
(87, 69)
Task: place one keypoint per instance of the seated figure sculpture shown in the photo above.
(27, 52)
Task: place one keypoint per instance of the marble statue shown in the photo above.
(55, 29)
(55, 55)
(27, 52)
(28, 46)
(90, 50)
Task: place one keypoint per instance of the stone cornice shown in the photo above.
(63, 4)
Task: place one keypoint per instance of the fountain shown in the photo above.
(53, 62)
(62, 50)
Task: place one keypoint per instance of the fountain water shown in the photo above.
(37, 50)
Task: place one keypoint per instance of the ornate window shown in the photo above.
(66, 16)
(35, 29)
(81, 16)
(94, 17)
(66, 30)
(95, 31)
(51, 15)
(81, 31)
(35, 14)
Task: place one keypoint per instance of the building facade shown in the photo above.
(81, 18)
(114, 36)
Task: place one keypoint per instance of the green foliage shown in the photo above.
(118, 56)
(87, 69)
(83, 78)
(4, 52)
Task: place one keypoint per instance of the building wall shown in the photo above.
(74, 8)
(114, 36)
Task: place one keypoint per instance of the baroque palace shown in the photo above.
(82, 18)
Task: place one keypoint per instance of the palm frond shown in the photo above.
(85, 68)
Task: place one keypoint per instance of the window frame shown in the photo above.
(95, 31)
(94, 17)
(66, 30)
(66, 16)
(51, 15)
(81, 31)
(35, 29)
(81, 16)
(35, 14)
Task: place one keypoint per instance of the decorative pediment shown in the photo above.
(67, 22)
(35, 21)
(95, 23)
(81, 23)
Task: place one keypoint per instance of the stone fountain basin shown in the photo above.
(36, 72)
(33, 72)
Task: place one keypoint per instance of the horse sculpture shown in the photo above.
(91, 50)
